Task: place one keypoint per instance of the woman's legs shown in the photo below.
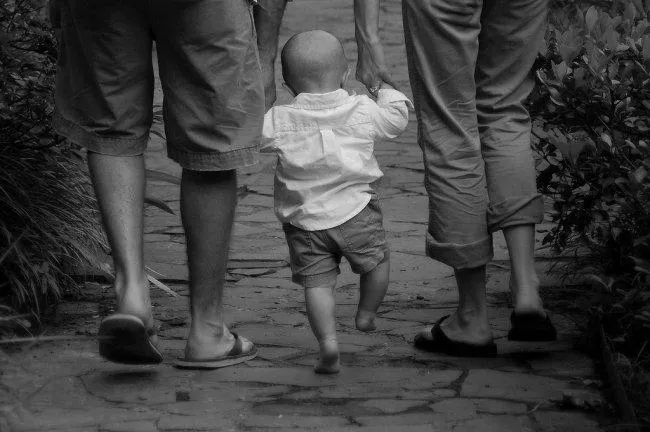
(470, 322)
(524, 283)
(511, 36)
(444, 95)
(474, 100)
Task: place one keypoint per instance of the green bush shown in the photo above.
(48, 219)
(592, 120)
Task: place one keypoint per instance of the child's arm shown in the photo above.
(391, 115)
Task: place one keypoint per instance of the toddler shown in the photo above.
(324, 140)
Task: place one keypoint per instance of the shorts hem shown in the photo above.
(461, 256)
(373, 264)
(112, 146)
(216, 161)
(313, 281)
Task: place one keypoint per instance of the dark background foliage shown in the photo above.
(48, 219)
(591, 116)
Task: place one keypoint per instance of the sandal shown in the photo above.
(234, 356)
(124, 338)
(440, 343)
(531, 327)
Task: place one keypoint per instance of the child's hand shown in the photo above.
(383, 86)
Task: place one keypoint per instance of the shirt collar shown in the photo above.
(320, 100)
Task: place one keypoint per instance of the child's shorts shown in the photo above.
(316, 255)
(209, 71)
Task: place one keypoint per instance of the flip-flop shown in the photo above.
(234, 356)
(440, 343)
(531, 327)
(124, 338)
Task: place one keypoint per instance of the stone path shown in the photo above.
(385, 385)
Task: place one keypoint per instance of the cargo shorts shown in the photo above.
(213, 105)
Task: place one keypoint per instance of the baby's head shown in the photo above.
(314, 62)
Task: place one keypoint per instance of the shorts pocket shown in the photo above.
(299, 242)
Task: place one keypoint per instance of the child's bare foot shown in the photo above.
(365, 321)
(329, 359)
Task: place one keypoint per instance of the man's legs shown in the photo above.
(119, 185)
(208, 202)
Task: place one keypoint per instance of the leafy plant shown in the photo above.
(48, 220)
(592, 120)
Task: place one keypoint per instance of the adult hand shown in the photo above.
(371, 66)
(371, 63)
(268, 17)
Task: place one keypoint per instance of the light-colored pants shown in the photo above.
(470, 67)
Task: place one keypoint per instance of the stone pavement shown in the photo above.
(385, 384)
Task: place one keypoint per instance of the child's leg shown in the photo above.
(373, 288)
(320, 311)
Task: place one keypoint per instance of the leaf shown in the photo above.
(560, 70)
(607, 139)
(570, 44)
(646, 47)
(556, 96)
(591, 17)
(162, 176)
(630, 12)
(579, 77)
(638, 175)
(158, 203)
(162, 286)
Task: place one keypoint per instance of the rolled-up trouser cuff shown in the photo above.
(461, 256)
(216, 161)
(112, 146)
(521, 210)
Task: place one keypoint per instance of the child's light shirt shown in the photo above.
(324, 144)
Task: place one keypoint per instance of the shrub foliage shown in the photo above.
(592, 118)
(48, 218)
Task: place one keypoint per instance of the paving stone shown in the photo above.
(207, 422)
(379, 428)
(284, 421)
(568, 364)
(288, 317)
(489, 423)
(141, 386)
(420, 315)
(77, 309)
(227, 393)
(514, 386)
(434, 394)
(55, 418)
(455, 409)
(553, 421)
(462, 409)
(391, 406)
(495, 406)
(434, 421)
(137, 426)
(277, 353)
